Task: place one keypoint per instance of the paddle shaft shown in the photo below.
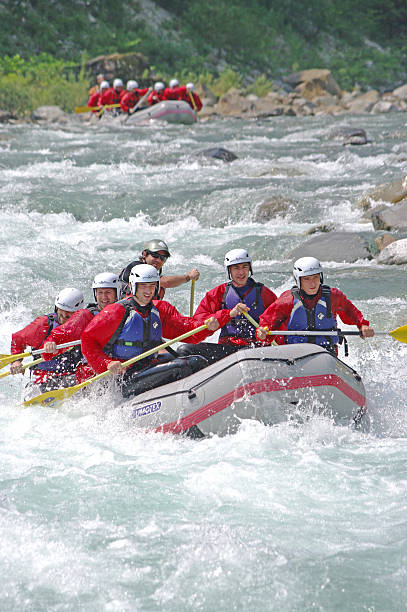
(6, 359)
(24, 367)
(87, 109)
(191, 301)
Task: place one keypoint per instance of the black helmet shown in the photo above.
(156, 245)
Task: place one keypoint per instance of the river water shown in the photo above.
(95, 516)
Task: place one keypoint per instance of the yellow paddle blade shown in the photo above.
(50, 397)
(399, 334)
(24, 367)
(88, 109)
(6, 359)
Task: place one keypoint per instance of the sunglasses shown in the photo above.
(157, 255)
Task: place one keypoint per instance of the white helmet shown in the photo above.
(131, 85)
(174, 83)
(143, 273)
(106, 280)
(104, 85)
(117, 83)
(190, 86)
(237, 256)
(306, 266)
(159, 86)
(69, 299)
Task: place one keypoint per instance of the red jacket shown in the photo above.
(185, 95)
(171, 93)
(69, 331)
(211, 306)
(112, 96)
(32, 335)
(130, 98)
(101, 329)
(155, 97)
(94, 100)
(278, 314)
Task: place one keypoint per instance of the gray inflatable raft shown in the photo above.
(172, 111)
(268, 384)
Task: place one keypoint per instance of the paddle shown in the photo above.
(6, 359)
(87, 109)
(24, 367)
(400, 333)
(60, 394)
(191, 301)
(193, 105)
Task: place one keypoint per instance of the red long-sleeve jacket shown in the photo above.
(69, 331)
(211, 303)
(101, 329)
(94, 100)
(155, 97)
(32, 335)
(184, 94)
(130, 98)
(112, 96)
(278, 314)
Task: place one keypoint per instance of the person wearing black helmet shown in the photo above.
(155, 253)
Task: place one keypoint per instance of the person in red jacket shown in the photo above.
(135, 325)
(95, 99)
(157, 95)
(132, 97)
(227, 302)
(186, 93)
(106, 290)
(54, 373)
(171, 92)
(311, 306)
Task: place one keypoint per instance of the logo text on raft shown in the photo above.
(144, 410)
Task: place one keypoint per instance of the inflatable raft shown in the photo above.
(172, 111)
(268, 384)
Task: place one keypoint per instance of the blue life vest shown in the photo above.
(135, 334)
(63, 363)
(250, 295)
(319, 318)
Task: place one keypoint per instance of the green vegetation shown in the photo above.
(223, 43)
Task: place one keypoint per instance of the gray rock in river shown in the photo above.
(272, 207)
(334, 246)
(390, 217)
(349, 135)
(219, 153)
(386, 192)
(49, 114)
(394, 253)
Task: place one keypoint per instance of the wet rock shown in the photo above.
(334, 246)
(383, 241)
(313, 83)
(234, 103)
(394, 253)
(391, 217)
(349, 135)
(6, 116)
(49, 114)
(271, 208)
(324, 228)
(219, 153)
(386, 192)
(384, 106)
(401, 92)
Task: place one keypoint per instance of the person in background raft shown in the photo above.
(156, 253)
(227, 302)
(157, 95)
(58, 371)
(96, 88)
(135, 325)
(186, 93)
(171, 92)
(311, 306)
(131, 97)
(114, 94)
(106, 290)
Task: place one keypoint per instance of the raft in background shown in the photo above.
(172, 111)
(267, 384)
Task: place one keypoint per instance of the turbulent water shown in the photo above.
(95, 516)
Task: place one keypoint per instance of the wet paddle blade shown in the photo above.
(399, 334)
(6, 359)
(50, 397)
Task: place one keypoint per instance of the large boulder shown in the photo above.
(334, 246)
(349, 135)
(384, 106)
(123, 65)
(49, 114)
(383, 241)
(363, 103)
(386, 192)
(272, 207)
(394, 253)
(390, 217)
(401, 92)
(313, 83)
(219, 153)
(234, 103)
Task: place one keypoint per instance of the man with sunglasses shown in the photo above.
(156, 253)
